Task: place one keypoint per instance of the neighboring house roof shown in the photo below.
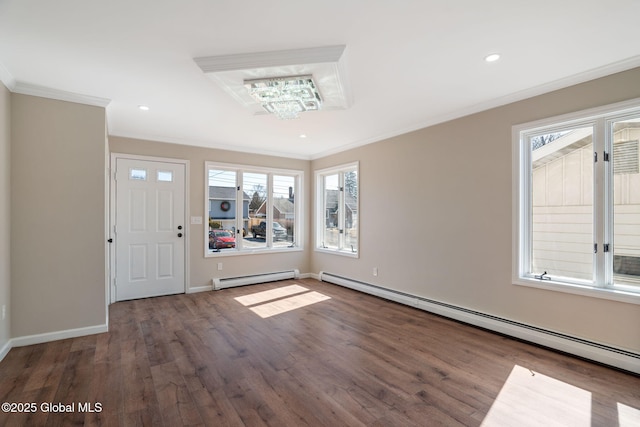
(625, 148)
(332, 200)
(224, 193)
(565, 144)
(282, 205)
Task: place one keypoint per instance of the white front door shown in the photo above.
(149, 228)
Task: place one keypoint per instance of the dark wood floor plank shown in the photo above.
(350, 360)
(174, 396)
(139, 395)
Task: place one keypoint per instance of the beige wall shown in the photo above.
(450, 239)
(5, 229)
(57, 216)
(449, 190)
(203, 269)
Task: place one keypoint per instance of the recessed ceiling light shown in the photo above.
(492, 58)
(143, 107)
(302, 135)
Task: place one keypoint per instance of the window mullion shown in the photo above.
(608, 206)
(239, 209)
(341, 207)
(269, 213)
(600, 216)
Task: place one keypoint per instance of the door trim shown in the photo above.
(111, 247)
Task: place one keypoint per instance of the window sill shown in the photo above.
(610, 294)
(345, 253)
(252, 252)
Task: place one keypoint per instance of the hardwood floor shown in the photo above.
(322, 355)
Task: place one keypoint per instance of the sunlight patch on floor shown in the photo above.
(529, 398)
(288, 304)
(280, 300)
(272, 294)
(628, 416)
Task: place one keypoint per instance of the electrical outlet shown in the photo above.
(375, 271)
(219, 266)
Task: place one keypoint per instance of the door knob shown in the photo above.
(179, 234)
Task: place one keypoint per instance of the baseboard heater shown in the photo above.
(253, 279)
(611, 356)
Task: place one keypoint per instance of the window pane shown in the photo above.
(562, 204)
(138, 174)
(222, 210)
(331, 233)
(165, 176)
(626, 203)
(255, 218)
(351, 210)
(284, 212)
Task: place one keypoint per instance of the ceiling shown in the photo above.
(407, 63)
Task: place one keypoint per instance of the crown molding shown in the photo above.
(60, 95)
(246, 61)
(6, 78)
(583, 77)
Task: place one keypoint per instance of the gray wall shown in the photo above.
(57, 216)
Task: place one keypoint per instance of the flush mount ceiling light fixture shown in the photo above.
(286, 97)
(285, 82)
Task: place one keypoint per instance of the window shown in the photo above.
(337, 209)
(578, 203)
(244, 202)
(138, 174)
(165, 176)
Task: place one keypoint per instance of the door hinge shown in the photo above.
(606, 247)
(605, 156)
(595, 157)
(595, 248)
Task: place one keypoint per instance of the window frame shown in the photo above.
(601, 118)
(240, 170)
(321, 212)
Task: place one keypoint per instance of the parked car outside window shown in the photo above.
(279, 232)
(221, 239)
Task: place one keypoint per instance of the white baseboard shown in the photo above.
(5, 349)
(196, 289)
(229, 282)
(58, 335)
(206, 288)
(608, 355)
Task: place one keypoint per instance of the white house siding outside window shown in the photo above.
(337, 210)
(577, 202)
(244, 202)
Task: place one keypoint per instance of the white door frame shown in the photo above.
(111, 254)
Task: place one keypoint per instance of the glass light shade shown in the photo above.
(286, 97)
